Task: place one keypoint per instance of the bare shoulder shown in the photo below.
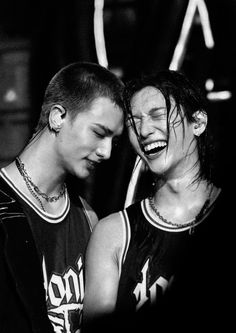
(111, 223)
(108, 232)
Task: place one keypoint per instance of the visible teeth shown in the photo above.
(155, 145)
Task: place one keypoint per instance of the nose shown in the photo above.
(104, 149)
(146, 127)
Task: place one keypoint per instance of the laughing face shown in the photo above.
(170, 153)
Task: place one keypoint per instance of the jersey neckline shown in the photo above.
(52, 218)
(151, 217)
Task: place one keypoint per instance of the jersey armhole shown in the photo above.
(125, 238)
(89, 213)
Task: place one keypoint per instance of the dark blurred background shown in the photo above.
(39, 37)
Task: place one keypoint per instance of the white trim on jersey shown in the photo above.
(151, 217)
(86, 212)
(51, 218)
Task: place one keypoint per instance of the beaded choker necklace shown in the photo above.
(33, 189)
(190, 223)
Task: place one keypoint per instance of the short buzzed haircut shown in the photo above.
(76, 86)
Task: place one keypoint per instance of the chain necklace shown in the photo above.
(190, 223)
(34, 190)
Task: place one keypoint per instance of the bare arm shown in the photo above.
(102, 268)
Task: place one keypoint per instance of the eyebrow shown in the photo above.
(157, 109)
(149, 112)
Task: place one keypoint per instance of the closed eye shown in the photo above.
(133, 121)
(158, 114)
(100, 135)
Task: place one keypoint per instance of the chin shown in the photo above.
(157, 168)
(82, 174)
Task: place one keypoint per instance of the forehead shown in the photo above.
(104, 106)
(103, 111)
(147, 99)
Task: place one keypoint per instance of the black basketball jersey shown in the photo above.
(170, 278)
(62, 247)
(61, 242)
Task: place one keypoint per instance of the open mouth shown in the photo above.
(154, 147)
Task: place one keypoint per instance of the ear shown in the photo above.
(200, 122)
(56, 116)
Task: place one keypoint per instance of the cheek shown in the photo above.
(176, 136)
(133, 139)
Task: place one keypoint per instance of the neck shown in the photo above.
(181, 185)
(41, 164)
(180, 199)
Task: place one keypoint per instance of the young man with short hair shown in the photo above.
(44, 226)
